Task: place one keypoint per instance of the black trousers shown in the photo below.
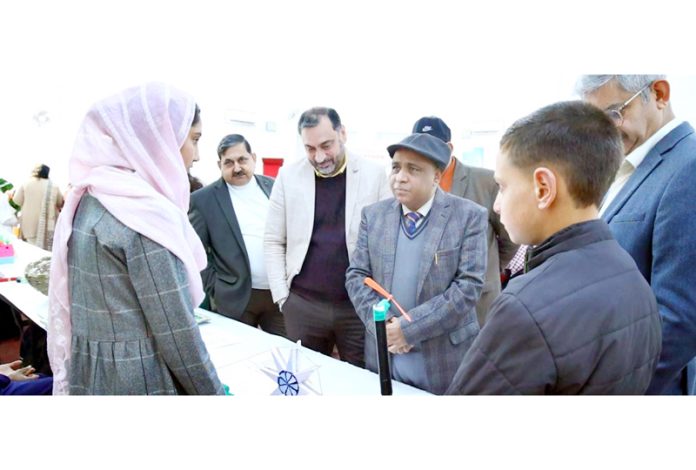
(261, 311)
(320, 325)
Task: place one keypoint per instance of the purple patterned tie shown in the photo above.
(410, 220)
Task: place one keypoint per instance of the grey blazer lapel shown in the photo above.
(439, 215)
(390, 234)
(460, 179)
(222, 196)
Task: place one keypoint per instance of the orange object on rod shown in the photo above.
(372, 284)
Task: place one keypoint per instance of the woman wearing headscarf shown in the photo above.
(41, 201)
(125, 272)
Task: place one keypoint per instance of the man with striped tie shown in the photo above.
(428, 248)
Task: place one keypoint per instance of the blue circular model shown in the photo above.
(287, 383)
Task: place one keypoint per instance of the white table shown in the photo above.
(236, 349)
(24, 297)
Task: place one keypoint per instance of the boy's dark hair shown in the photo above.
(311, 117)
(576, 137)
(230, 141)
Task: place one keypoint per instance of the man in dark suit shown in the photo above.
(477, 185)
(651, 212)
(229, 216)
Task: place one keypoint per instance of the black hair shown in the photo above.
(311, 117)
(194, 183)
(42, 171)
(230, 141)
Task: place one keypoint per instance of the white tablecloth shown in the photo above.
(236, 349)
(24, 297)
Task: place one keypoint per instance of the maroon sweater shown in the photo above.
(323, 274)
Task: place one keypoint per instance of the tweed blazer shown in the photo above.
(449, 280)
(133, 329)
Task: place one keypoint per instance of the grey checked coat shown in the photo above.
(133, 329)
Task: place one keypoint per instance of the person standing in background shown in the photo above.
(41, 202)
(229, 216)
(311, 232)
(650, 209)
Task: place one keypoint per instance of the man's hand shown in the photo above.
(14, 372)
(396, 342)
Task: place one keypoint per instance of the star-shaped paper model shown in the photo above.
(287, 374)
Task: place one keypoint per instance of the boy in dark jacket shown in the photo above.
(582, 319)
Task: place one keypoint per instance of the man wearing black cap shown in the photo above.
(478, 185)
(428, 248)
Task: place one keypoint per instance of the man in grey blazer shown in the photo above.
(311, 232)
(478, 185)
(428, 248)
(229, 216)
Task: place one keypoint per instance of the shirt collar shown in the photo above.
(637, 156)
(424, 209)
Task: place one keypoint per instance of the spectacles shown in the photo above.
(615, 114)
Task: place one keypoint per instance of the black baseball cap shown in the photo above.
(434, 126)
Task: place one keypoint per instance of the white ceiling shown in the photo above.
(380, 64)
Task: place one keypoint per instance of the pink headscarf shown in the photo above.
(127, 155)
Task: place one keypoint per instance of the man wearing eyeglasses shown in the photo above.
(651, 212)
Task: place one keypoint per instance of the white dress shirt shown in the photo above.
(251, 207)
